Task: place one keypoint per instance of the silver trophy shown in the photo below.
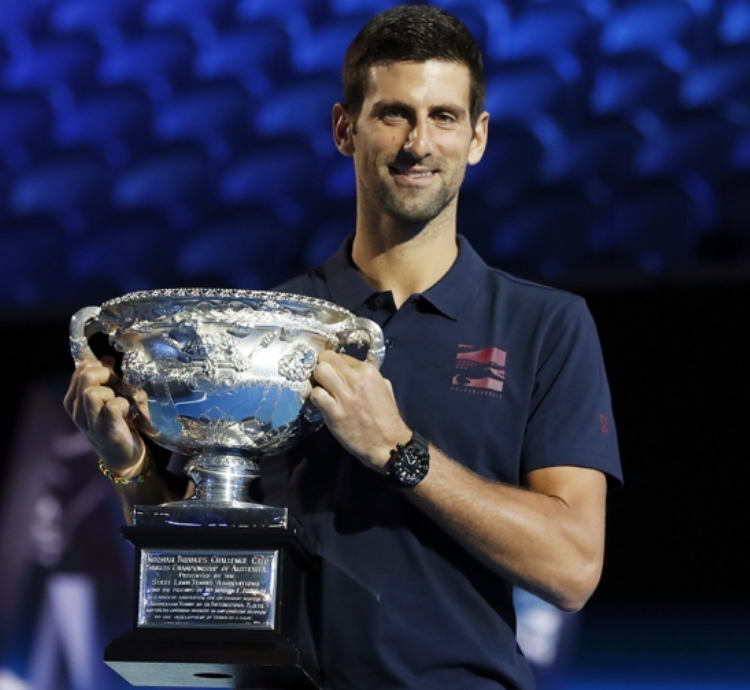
(221, 376)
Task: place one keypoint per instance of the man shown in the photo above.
(477, 458)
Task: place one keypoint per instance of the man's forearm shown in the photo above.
(547, 538)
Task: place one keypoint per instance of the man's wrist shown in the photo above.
(379, 456)
(136, 473)
(408, 463)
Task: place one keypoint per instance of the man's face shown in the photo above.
(413, 139)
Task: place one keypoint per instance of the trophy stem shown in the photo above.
(222, 477)
(222, 496)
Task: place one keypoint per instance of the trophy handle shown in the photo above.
(364, 332)
(79, 342)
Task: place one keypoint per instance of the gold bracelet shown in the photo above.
(138, 479)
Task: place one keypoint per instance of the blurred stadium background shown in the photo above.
(160, 143)
(167, 142)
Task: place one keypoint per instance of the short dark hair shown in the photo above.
(412, 33)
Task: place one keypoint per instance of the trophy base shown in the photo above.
(171, 660)
(218, 606)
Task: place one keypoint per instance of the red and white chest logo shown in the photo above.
(481, 372)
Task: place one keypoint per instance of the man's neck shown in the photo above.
(402, 263)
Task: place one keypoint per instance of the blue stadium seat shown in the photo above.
(596, 9)
(603, 150)
(63, 67)
(127, 254)
(174, 181)
(22, 21)
(116, 120)
(632, 83)
(282, 179)
(261, 9)
(340, 180)
(72, 189)
(295, 17)
(564, 33)
(509, 167)
(302, 109)
(213, 114)
(666, 28)
(31, 265)
(721, 79)
(544, 237)
(488, 21)
(369, 7)
(700, 142)
(202, 18)
(526, 90)
(26, 125)
(325, 239)
(258, 55)
(241, 250)
(160, 61)
(106, 21)
(734, 25)
(323, 50)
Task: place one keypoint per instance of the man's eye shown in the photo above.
(393, 113)
(445, 117)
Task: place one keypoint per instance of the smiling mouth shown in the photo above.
(411, 174)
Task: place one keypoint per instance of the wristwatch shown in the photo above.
(409, 463)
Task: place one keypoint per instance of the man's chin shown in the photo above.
(418, 216)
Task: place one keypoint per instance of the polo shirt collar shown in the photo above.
(457, 287)
(449, 295)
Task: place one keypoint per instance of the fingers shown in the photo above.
(102, 415)
(90, 387)
(331, 384)
(338, 368)
(105, 412)
(329, 373)
(340, 378)
(324, 401)
(358, 407)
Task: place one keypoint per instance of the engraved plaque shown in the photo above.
(207, 589)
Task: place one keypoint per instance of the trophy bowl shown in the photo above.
(222, 376)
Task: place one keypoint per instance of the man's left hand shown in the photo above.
(359, 408)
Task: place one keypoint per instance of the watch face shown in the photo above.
(409, 465)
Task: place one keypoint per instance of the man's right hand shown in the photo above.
(103, 416)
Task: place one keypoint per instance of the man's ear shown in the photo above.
(479, 140)
(343, 130)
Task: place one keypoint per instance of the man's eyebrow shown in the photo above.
(450, 108)
(387, 103)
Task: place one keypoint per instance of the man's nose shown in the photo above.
(418, 142)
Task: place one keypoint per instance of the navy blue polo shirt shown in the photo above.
(504, 376)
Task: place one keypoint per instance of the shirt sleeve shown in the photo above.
(570, 418)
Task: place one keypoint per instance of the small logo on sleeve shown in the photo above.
(480, 372)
